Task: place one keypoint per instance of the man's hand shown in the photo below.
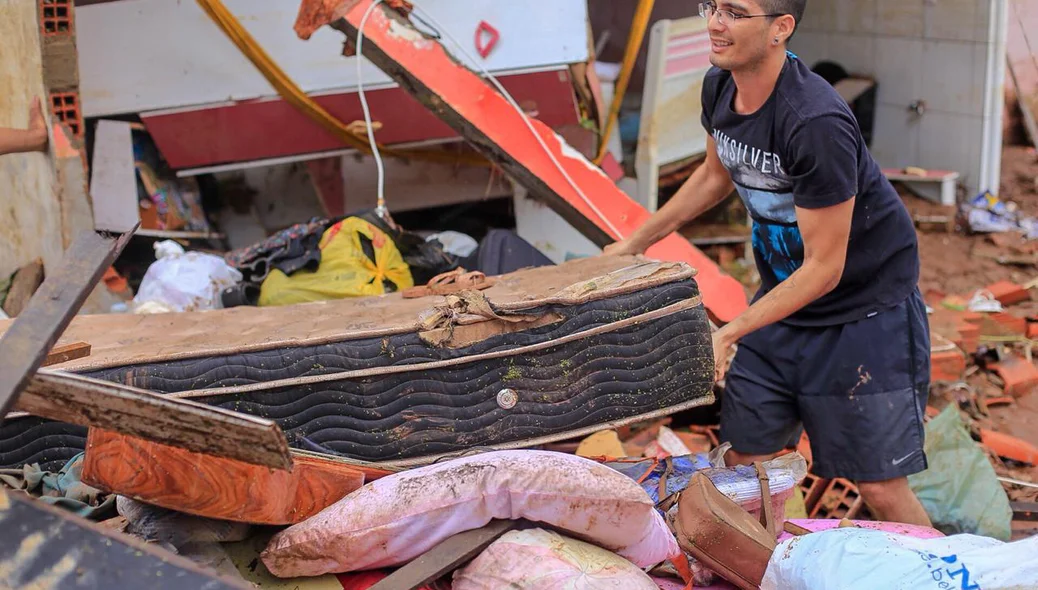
(622, 248)
(723, 343)
(33, 139)
(37, 125)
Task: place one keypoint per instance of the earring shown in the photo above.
(776, 40)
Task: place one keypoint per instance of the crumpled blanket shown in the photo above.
(64, 488)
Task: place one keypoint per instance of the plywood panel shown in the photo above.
(30, 213)
(44, 201)
(180, 58)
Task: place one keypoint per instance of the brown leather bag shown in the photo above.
(722, 535)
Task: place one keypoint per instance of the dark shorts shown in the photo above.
(859, 390)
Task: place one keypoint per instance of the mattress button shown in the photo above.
(507, 398)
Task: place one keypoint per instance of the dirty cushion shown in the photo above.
(397, 518)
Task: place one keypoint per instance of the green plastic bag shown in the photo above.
(959, 490)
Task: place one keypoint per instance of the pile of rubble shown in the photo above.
(982, 362)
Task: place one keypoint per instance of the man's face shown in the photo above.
(738, 43)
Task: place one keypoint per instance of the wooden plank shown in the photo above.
(26, 281)
(527, 149)
(68, 352)
(216, 487)
(446, 557)
(24, 346)
(113, 179)
(197, 427)
(46, 547)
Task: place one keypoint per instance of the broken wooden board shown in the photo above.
(24, 347)
(473, 108)
(197, 427)
(45, 202)
(67, 352)
(446, 557)
(48, 547)
(216, 487)
(113, 179)
(25, 282)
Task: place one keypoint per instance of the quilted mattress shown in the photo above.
(542, 355)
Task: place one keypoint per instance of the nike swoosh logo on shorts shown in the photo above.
(897, 462)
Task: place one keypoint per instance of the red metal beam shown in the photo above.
(473, 108)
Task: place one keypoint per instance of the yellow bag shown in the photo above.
(346, 270)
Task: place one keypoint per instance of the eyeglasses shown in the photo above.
(726, 17)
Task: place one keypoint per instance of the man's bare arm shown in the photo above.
(707, 187)
(26, 140)
(826, 233)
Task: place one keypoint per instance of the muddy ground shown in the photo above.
(960, 263)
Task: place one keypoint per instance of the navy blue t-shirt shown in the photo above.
(803, 148)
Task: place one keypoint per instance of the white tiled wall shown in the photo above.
(930, 50)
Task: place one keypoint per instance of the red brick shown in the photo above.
(1020, 375)
(65, 107)
(969, 337)
(841, 499)
(1009, 447)
(1032, 330)
(1009, 293)
(56, 18)
(1010, 322)
(947, 365)
(972, 317)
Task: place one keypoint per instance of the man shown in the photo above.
(33, 139)
(837, 339)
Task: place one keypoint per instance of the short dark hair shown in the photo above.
(794, 8)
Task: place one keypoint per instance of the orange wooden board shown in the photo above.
(215, 487)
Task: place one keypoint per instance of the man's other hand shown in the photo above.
(622, 248)
(722, 346)
(37, 125)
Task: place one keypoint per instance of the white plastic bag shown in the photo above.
(537, 559)
(455, 243)
(853, 558)
(179, 281)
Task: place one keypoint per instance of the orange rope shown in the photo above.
(294, 95)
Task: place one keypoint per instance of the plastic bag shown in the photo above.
(455, 243)
(960, 490)
(179, 281)
(425, 258)
(852, 558)
(739, 483)
(396, 518)
(357, 259)
(537, 559)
